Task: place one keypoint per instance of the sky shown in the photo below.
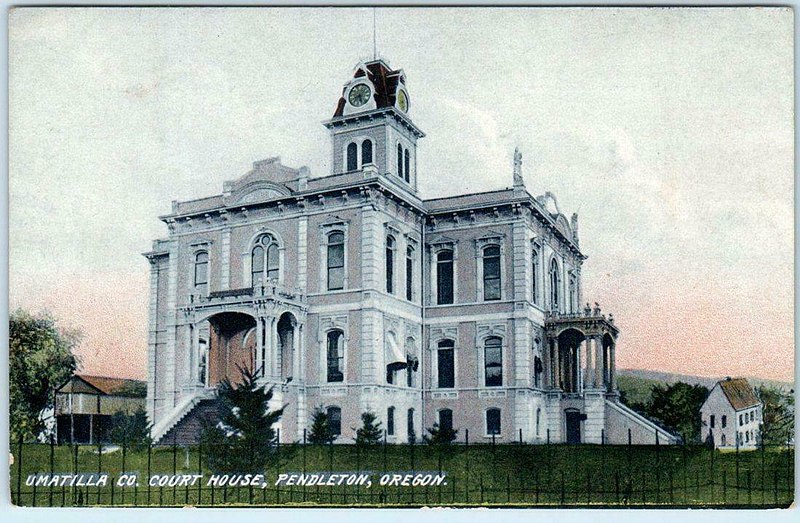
(669, 131)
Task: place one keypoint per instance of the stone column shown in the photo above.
(599, 374)
(612, 378)
(556, 365)
(195, 375)
(588, 380)
(260, 345)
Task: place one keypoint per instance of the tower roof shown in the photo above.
(383, 78)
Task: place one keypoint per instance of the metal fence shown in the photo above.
(474, 474)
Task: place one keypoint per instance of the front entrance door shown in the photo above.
(573, 418)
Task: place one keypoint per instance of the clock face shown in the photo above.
(359, 95)
(402, 101)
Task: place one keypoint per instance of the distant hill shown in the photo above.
(636, 383)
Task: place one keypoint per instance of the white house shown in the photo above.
(731, 414)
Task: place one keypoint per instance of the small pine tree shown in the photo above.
(131, 430)
(243, 440)
(439, 435)
(370, 432)
(320, 431)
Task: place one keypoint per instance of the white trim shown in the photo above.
(247, 256)
(486, 422)
(325, 230)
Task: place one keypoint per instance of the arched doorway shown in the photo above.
(231, 346)
(287, 325)
(572, 421)
(569, 344)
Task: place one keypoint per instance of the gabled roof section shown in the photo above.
(383, 78)
(106, 385)
(739, 392)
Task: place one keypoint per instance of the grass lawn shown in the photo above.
(502, 475)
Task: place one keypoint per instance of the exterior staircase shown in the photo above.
(186, 421)
(623, 423)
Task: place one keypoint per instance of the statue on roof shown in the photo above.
(518, 181)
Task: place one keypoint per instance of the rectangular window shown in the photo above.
(711, 422)
(390, 422)
(491, 274)
(335, 356)
(409, 277)
(446, 419)
(493, 421)
(446, 367)
(335, 420)
(336, 262)
(493, 362)
(724, 421)
(444, 278)
(390, 265)
(410, 428)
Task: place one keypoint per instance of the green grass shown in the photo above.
(506, 475)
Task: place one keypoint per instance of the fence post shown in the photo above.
(562, 487)
(149, 459)
(99, 465)
(630, 438)
(588, 488)
(737, 468)
(124, 456)
(520, 436)
(775, 485)
(305, 443)
(749, 487)
(508, 488)
(724, 487)
(52, 469)
(466, 464)
(199, 473)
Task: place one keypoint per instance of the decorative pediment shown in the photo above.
(485, 330)
(256, 192)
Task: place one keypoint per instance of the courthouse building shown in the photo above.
(351, 292)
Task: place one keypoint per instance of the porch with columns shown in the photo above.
(580, 353)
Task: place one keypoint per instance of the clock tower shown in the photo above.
(371, 129)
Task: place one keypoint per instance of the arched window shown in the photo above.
(446, 419)
(407, 166)
(390, 246)
(410, 273)
(390, 421)
(335, 420)
(410, 350)
(445, 364)
(273, 262)
(492, 422)
(352, 156)
(335, 261)
(493, 361)
(444, 277)
(201, 272)
(412, 435)
(335, 340)
(257, 262)
(202, 371)
(366, 152)
(554, 283)
(491, 273)
(535, 276)
(265, 260)
(572, 291)
(538, 368)
(399, 160)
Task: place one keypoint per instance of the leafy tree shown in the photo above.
(778, 415)
(40, 359)
(243, 440)
(370, 432)
(320, 432)
(132, 430)
(677, 406)
(439, 435)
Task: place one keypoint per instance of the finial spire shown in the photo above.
(518, 181)
(374, 34)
